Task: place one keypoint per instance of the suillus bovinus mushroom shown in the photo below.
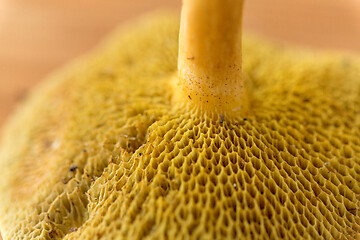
(152, 136)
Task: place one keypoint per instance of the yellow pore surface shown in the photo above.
(102, 151)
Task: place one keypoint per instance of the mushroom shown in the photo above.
(126, 143)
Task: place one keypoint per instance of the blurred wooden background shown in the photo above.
(37, 36)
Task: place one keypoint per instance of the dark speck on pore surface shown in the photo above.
(73, 168)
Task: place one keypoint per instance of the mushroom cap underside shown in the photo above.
(101, 149)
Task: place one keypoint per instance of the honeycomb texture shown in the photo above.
(101, 151)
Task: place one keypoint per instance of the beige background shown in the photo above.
(37, 36)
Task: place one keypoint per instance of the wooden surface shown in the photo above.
(37, 36)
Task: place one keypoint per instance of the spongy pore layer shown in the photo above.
(101, 150)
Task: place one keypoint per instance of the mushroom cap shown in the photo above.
(101, 150)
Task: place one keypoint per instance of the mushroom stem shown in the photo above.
(210, 64)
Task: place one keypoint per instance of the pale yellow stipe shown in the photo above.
(210, 64)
